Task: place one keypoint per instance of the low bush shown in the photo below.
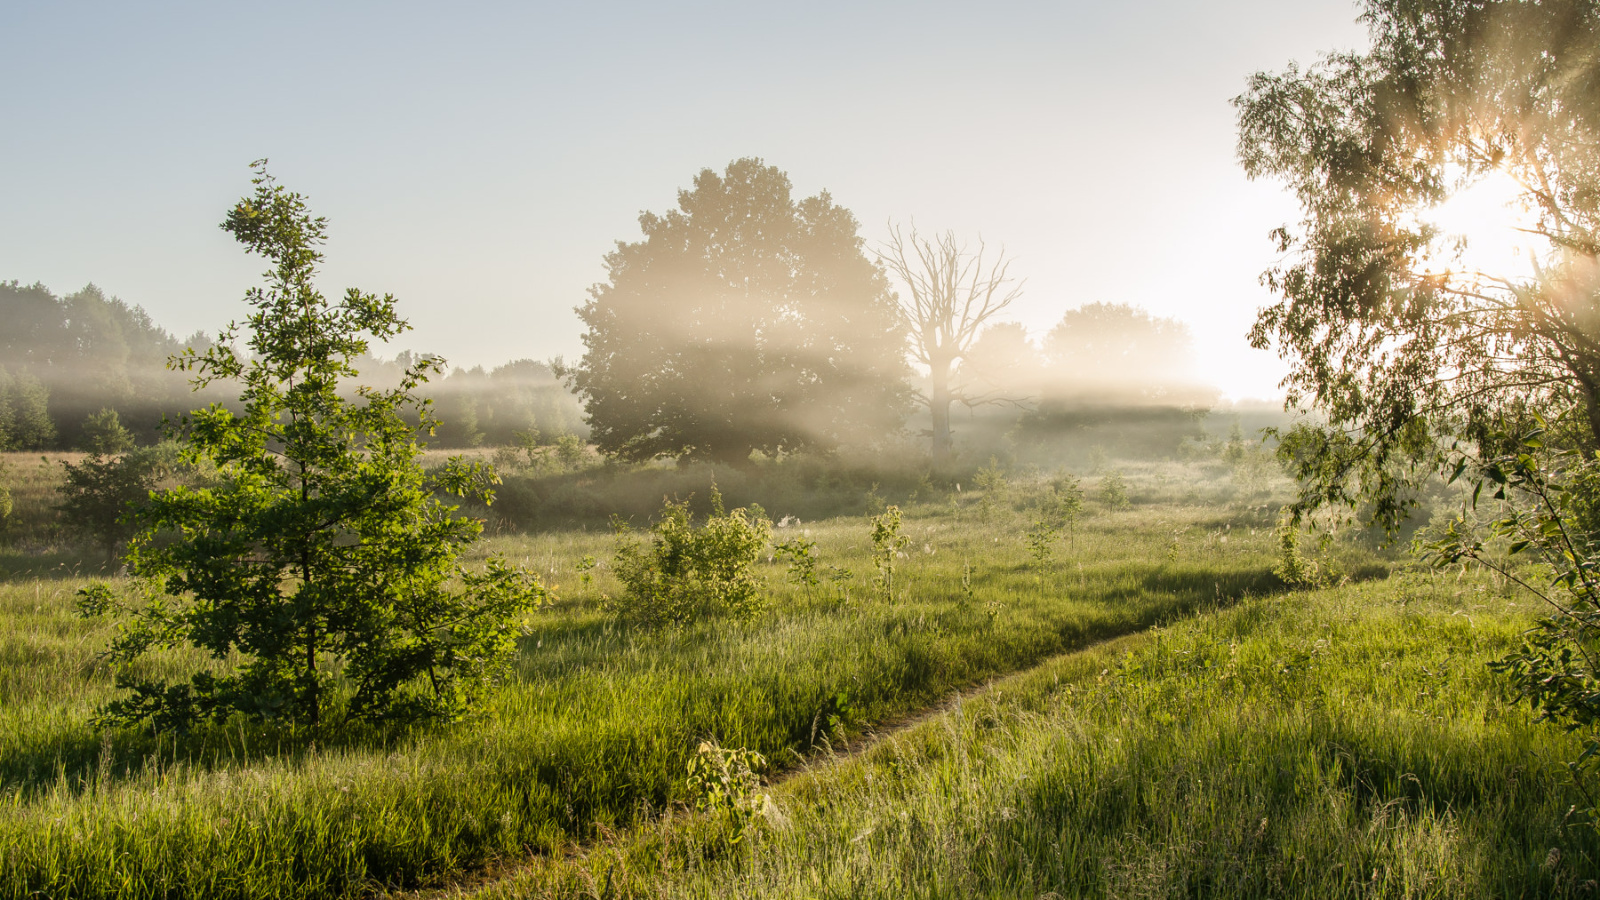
(685, 573)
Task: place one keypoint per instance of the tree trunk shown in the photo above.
(939, 408)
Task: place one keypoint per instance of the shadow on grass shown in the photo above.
(16, 565)
(80, 757)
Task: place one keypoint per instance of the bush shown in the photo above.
(686, 573)
(887, 545)
(101, 494)
(1114, 490)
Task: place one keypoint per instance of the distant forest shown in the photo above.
(1108, 375)
(65, 359)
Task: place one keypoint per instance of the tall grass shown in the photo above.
(596, 729)
(34, 525)
(1347, 743)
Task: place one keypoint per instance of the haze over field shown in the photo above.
(480, 166)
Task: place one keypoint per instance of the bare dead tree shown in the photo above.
(950, 293)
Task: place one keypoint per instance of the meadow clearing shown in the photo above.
(1166, 717)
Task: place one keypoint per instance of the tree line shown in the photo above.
(79, 370)
(747, 320)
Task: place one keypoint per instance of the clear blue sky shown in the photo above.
(478, 160)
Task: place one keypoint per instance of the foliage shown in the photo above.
(24, 412)
(996, 488)
(802, 556)
(1106, 353)
(1114, 490)
(1042, 536)
(83, 352)
(1056, 510)
(1394, 332)
(1063, 504)
(499, 407)
(320, 557)
(951, 294)
(725, 782)
(743, 321)
(687, 573)
(887, 545)
(569, 450)
(101, 495)
(1252, 464)
(1294, 568)
(104, 435)
(1546, 511)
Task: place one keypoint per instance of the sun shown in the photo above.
(1484, 232)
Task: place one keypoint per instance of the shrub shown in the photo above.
(101, 494)
(887, 542)
(724, 782)
(991, 480)
(1114, 490)
(1063, 505)
(802, 556)
(686, 573)
(1041, 540)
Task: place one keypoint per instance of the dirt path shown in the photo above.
(466, 884)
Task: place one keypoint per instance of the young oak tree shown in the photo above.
(320, 556)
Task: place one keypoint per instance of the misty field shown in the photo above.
(1259, 742)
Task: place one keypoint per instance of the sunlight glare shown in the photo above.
(1484, 231)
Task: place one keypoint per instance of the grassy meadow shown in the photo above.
(1165, 720)
(1341, 743)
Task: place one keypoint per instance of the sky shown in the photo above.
(478, 160)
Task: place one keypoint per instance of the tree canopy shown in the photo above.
(1396, 331)
(1119, 353)
(745, 320)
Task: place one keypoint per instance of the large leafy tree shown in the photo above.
(1398, 333)
(320, 557)
(744, 320)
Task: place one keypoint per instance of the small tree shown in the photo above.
(103, 433)
(320, 557)
(802, 556)
(996, 488)
(1063, 505)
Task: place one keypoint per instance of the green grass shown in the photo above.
(595, 730)
(34, 526)
(1343, 743)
